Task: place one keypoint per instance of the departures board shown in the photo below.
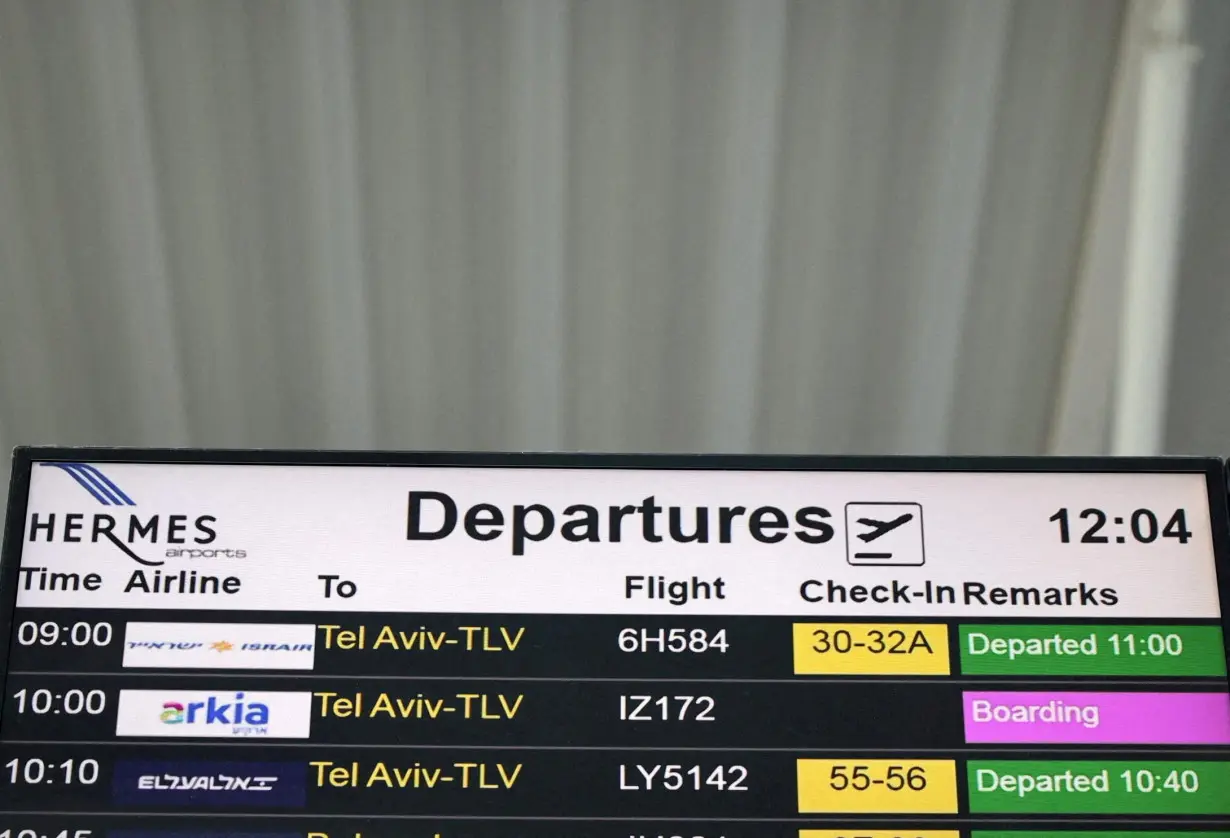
(318, 645)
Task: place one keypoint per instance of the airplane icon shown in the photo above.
(881, 527)
(880, 533)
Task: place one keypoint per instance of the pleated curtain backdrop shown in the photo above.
(651, 225)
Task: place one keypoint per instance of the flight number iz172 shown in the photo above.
(666, 708)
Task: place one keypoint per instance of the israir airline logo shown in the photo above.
(96, 483)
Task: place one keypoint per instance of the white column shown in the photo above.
(1153, 238)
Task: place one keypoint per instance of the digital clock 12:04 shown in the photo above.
(1140, 526)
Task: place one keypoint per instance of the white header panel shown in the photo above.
(264, 537)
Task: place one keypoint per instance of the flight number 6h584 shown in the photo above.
(676, 640)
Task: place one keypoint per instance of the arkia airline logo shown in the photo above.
(146, 538)
(219, 646)
(215, 715)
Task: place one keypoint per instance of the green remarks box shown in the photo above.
(1099, 787)
(1175, 651)
(1043, 832)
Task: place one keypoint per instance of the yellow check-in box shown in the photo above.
(877, 786)
(879, 833)
(871, 649)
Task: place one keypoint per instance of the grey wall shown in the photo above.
(741, 226)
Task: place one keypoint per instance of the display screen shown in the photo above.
(331, 646)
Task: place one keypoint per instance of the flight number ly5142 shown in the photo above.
(682, 778)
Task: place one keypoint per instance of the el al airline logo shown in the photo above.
(219, 646)
(208, 783)
(215, 715)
